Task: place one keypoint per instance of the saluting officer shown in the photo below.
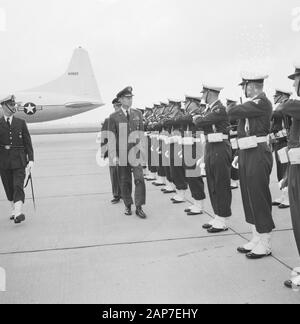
(279, 131)
(114, 170)
(292, 109)
(255, 162)
(218, 156)
(16, 154)
(131, 119)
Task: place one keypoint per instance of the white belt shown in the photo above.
(251, 142)
(262, 139)
(222, 137)
(188, 141)
(197, 140)
(294, 156)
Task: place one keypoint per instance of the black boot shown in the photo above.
(128, 211)
(140, 213)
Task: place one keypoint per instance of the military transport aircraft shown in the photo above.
(73, 93)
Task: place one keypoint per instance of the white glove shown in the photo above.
(30, 166)
(195, 118)
(235, 162)
(99, 138)
(199, 162)
(116, 161)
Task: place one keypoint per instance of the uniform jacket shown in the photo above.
(135, 124)
(15, 158)
(259, 113)
(280, 121)
(216, 115)
(292, 109)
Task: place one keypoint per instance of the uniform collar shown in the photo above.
(9, 118)
(261, 95)
(125, 111)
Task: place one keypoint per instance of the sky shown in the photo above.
(163, 48)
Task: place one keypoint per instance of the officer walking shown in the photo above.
(218, 155)
(114, 171)
(292, 109)
(255, 164)
(16, 154)
(129, 120)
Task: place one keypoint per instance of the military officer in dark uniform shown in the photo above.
(122, 151)
(114, 171)
(292, 109)
(16, 154)
(279, 131)
(255, 162)
(218, 155)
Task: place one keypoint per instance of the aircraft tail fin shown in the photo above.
(79, 79)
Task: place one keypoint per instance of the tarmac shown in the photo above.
(78, 248)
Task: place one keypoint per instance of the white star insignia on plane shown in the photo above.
(30, 109)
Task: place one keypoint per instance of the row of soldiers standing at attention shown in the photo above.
(237, 145)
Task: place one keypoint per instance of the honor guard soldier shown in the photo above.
(176, 152)
(153, 156)
(218, 155)
(279, 131)
(114, 171)
(161, 174)
(167, 127)
(147, 116)
(255, 162)
(193, 153)
(149, 129)
(131, 119)
(292, 109)
(234, 144)
(16, 154)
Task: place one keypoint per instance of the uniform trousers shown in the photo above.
(294, 193)
(125, 174)
(177, 169)
(152, 155)
(281, 168)
(218, 158)
(193, 171)
(13, 183)
(255, 167)
(234, 171)
(115, 181)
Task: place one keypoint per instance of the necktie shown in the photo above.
(128, 115)
(8, 123)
